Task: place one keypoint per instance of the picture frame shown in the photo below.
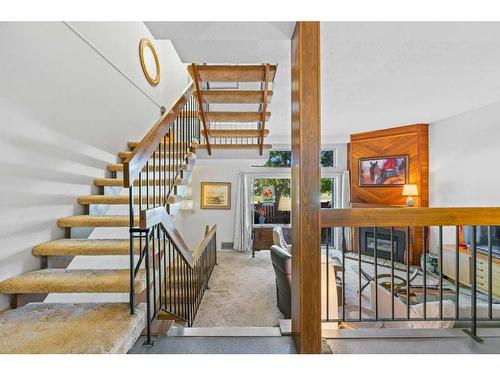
(383, 171)
(215, 196)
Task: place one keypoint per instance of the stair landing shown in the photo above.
(86, 328)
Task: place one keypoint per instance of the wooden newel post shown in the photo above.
(306, 145)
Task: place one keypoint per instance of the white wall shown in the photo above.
(464, 151)
(66, 112)
(191, 224)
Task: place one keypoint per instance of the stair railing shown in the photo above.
(179, 276)
(157, 166)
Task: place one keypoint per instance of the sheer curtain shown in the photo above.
(242, 240)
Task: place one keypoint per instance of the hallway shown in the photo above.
(242, 292)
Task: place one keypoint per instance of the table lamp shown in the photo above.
(285, 204)
(410, 191)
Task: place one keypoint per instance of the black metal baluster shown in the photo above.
(392, 273)
(154, 266)
(343, 247)
(160, 182)
(359, 280)
(425, 272)
(375, 250)
(148, 294)
(457, 272)
(328, 279)
(131, 247)
(176, 279)
(164, 171)
(473, 302)
(147, 186)
(170, 166)
(440, 255)
(170, 264)
(490, 275)
(408, 285)
(165, 269)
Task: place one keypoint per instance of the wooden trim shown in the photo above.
(306, 146)
(141, 154)
(204, 242)
(409, 216)
(204, 121)
(158, 215)
(390, 132)
(264, 109)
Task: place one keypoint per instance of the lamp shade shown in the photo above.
(285, 204)
(410, 190)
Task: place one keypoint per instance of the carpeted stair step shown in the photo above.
(72, 281)
(71, 328)
(77, 247)
(92, 221)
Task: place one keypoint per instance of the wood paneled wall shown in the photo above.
(306, 145)
(411, 140)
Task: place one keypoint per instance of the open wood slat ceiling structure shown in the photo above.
(234, 137)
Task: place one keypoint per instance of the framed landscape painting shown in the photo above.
(383, 171)
(216, 195)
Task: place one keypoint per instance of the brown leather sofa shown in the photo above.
(282, 264)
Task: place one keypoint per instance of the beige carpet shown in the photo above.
(242, 292)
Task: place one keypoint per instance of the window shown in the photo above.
(283, 159)
(270, 213)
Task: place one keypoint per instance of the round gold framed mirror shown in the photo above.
(148, 57)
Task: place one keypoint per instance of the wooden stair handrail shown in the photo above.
(196, 79)
(409, 216)
(158, 215)
(141, 154)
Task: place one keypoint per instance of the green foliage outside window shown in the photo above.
(283, 159)
(282, 186)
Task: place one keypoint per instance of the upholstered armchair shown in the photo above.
(282, 264)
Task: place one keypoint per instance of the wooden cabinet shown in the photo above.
(263, 237)
(465, 268)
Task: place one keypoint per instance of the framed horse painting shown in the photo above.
(383, 171)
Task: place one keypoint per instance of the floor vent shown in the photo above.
(227, 245)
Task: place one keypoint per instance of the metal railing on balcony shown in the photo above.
(376, 273)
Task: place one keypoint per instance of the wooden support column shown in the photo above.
(306, 145)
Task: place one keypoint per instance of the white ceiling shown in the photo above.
(374, 74)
